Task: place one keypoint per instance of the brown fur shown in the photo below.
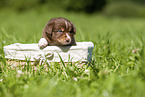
(59, 31)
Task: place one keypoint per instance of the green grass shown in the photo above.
(117, 69)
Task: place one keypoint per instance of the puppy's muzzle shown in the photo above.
(67, 40)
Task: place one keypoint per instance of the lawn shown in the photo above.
(118, 62)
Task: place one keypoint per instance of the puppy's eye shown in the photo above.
(60, 31)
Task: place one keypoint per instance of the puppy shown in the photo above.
(58, 32)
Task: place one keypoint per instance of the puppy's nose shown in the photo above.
(67, 40)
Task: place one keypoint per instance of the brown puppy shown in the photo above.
(59, 32)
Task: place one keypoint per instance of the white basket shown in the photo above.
(82, 52)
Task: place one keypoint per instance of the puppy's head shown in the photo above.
(59, 31)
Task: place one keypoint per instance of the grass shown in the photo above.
(117, 68)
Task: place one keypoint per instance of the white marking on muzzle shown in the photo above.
(66, 24)
(68, 36)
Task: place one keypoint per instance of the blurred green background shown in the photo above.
(123, 8)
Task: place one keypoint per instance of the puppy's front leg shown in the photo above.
(42, 43)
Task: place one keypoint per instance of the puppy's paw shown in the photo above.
(42, 43)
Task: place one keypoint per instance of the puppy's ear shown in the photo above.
(47, 31)
(73, 28)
